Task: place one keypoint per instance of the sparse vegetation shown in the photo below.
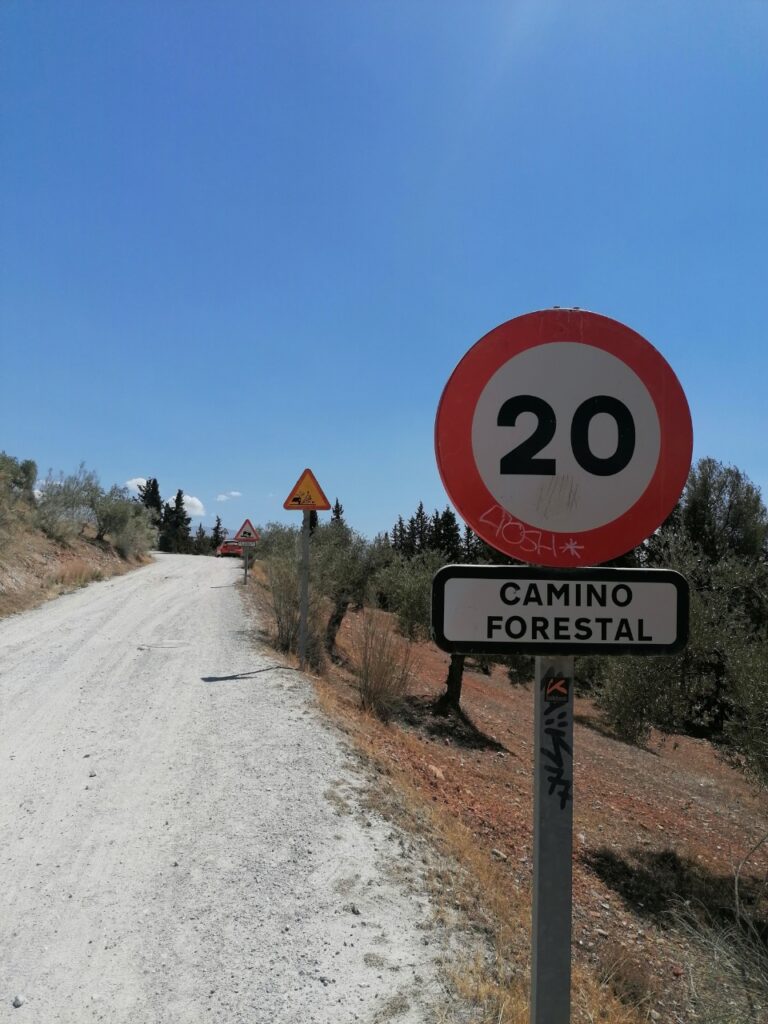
(382, 665)
(717, 687)
(63, 532)
(279, 550)
(65, 503)
(76, 573)
(17, 501)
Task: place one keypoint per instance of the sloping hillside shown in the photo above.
(34, 568)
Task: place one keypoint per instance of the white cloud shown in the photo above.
(134, 483)
(235, 494)
(194, 506)
(227, 495)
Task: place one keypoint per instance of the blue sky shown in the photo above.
(242, 238)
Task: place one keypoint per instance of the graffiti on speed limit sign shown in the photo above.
(563, 438)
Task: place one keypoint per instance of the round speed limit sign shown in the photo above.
(563, 438)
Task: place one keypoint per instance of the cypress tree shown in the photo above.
(399, 536)
(202, 542)
(436, 532)
(217, 533)
(450, 535)
(422, 530)
(149, 496)
(174, 532)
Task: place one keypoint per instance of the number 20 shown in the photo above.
(521, 459)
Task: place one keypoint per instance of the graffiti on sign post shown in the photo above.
(556, 695)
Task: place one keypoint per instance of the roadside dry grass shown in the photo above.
(76, 573)
(383, 664)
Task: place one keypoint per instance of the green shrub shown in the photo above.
(717, 687)
(17, 480)
(112, 511)
(405, 586)
(65, 504)
(135, 534)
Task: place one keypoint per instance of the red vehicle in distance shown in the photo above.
(229, 547)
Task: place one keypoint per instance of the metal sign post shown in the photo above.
(304, 590)
(552, 842)
(246, 537)
(564, 439)
(306, 496)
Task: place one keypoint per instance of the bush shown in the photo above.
(136, 534)
(383, 665)
(341, 571)
(17, 480)
(745, 729)
(65, 504)
(77, 573)
(521, 668)
(406, 589)
(716, 687)
(283, 578)
(112, 511)
(277, 539)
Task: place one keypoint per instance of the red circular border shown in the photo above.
(465, 486)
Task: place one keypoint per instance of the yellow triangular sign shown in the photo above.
(247, 532)
(307, 494)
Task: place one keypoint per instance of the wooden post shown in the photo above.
(552, 842)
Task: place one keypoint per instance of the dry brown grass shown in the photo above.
(34, 569)
(383, 664)
(76, 572)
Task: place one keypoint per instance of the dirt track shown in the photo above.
(176, 842)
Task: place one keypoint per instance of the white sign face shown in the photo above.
(566, 437)
(563, 438)
(487, 608)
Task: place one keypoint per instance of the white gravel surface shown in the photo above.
(173, 841)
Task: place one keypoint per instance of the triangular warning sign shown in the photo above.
(247, 531)
(307, 494)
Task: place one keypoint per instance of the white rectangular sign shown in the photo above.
(487, 609)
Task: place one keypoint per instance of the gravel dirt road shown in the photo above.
(181, 834)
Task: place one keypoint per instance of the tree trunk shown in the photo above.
(452, 696)
(334, 622)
